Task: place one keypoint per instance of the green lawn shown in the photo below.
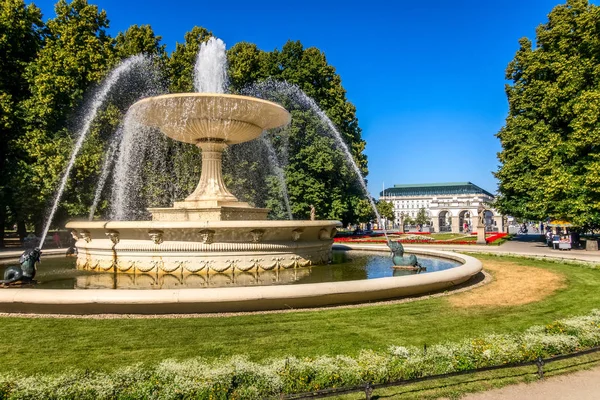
(447, 236)
(50, 345)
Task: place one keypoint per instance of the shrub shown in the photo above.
(239, 378)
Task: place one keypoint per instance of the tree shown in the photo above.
(76, 53)
(550, 158)
(363, 211)
(183, 59)
(248, 64)
(385, 209)
(317, 171)
(20, 38)
(422, 218)
(139, 39)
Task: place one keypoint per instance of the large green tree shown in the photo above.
(20, 39)
(316, 169)
(76, 53)
(550, 158)
(183, 59)
(139, 40)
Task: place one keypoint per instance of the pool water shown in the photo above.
(60, 273)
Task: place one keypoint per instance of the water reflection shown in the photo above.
(60, 273)
(94, 280)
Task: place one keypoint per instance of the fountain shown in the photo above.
(211, 239)
(210, 231)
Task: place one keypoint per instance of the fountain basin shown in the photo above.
(197, 117)
(183, 247)
(254, 298)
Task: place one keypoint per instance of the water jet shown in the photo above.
(211, 230)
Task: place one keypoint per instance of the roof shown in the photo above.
(435, 189)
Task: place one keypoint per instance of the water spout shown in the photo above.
(210, 71)
(99, 99)
(281, 90)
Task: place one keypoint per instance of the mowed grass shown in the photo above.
(52, 345)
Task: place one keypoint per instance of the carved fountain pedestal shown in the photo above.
(210, 231)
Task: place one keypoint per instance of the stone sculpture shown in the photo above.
(400, 261)
(211, 228)
(26, 271)
(481, 215)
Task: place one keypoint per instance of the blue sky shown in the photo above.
(427, 78)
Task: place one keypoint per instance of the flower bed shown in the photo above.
(239, 378)
(494, 237)
(415, 241)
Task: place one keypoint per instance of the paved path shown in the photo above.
(582, 385)
(522, 245)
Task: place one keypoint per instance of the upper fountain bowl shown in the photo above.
(210, 117)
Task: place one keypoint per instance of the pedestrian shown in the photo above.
(549, 238)
(56, 238)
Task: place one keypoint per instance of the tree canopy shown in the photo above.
(422, 218)
(76, 53)
(550, 158)
(317, 171)
(20, 38)
(50, 70)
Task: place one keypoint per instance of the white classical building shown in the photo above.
(448, 205)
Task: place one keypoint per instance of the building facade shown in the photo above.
(449, 206)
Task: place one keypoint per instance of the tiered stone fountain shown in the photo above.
(210, 231)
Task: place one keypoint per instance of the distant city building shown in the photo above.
(448, 205)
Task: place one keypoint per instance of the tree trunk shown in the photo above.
(38, 229)
(2, 224)
(22, 231)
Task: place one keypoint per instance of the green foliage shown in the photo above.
(362, 209)
(139, 39)
(240, 378)
(316, 172)
(385, 209)
(20, 38)
(248, 64)
(422, 217)
(550, 162)
(183, 58)
(76, 53)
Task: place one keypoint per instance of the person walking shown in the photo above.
(56, 238)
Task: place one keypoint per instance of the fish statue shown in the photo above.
(400, 261)
(25, 273)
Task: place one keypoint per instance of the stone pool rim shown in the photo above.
(251, 298)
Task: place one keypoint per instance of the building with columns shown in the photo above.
(448, 205)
